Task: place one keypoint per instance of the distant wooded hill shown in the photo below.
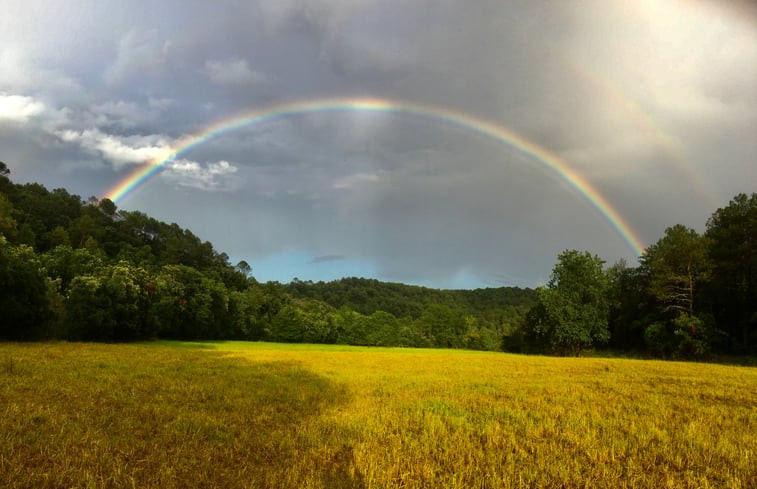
(367, 296)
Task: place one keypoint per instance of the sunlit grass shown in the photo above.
(231, 414)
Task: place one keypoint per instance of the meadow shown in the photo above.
(232, 414)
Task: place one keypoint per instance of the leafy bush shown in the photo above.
(685, 337)
(659, 340)
(26, 294)
(692, 336)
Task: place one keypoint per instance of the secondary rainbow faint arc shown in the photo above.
(620, 98)
(499, 133)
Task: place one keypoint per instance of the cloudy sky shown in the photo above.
(652, 103)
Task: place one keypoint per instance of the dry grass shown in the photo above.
(266, 415)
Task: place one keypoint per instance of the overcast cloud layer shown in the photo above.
(654, 103)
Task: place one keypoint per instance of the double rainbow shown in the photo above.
(501, 134)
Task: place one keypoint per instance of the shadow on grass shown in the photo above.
(718, 359)
(171, 418)
(285, 397)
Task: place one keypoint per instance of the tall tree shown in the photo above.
(632, 307)
(677, 264)
(244, 268)
(732, 231)
(573, 308)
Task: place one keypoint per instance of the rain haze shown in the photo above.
(470, 144)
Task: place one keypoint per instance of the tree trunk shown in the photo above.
(691, 290)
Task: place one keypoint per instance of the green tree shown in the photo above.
(107, 206)
(84, 228)
(58, 236)
(64, 263)
(25, 293)
(244, 310)
(444, 324)
(127, 286)
(349, 327)
(732, 232)
(632, 307)
(244, 268)
(7, 222)
(572, 310)
(168, 306)
(383, 329)
(287, 326)
(190, 305)
(478, 337)
(110, 305)
(677, 264)
(317, 321)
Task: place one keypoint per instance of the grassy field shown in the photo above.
(232, 415)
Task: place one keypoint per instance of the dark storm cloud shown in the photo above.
(91, 90)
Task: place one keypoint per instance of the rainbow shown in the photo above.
(546, 158)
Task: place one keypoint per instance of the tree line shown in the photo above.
(690, 295)
(85, 270)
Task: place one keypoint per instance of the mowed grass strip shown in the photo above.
(235, 414)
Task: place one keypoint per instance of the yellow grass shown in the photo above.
(266, 415)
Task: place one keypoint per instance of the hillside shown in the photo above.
(85, 270)
(367, 296)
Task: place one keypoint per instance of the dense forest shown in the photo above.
(85, 270)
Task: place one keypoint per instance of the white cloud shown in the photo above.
(119, 150)
(213, 176)
(234, 71)
(131, 150)
(19, 108)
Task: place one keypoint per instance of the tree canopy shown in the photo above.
(77, 269)
(572, 310)
(677, 265)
